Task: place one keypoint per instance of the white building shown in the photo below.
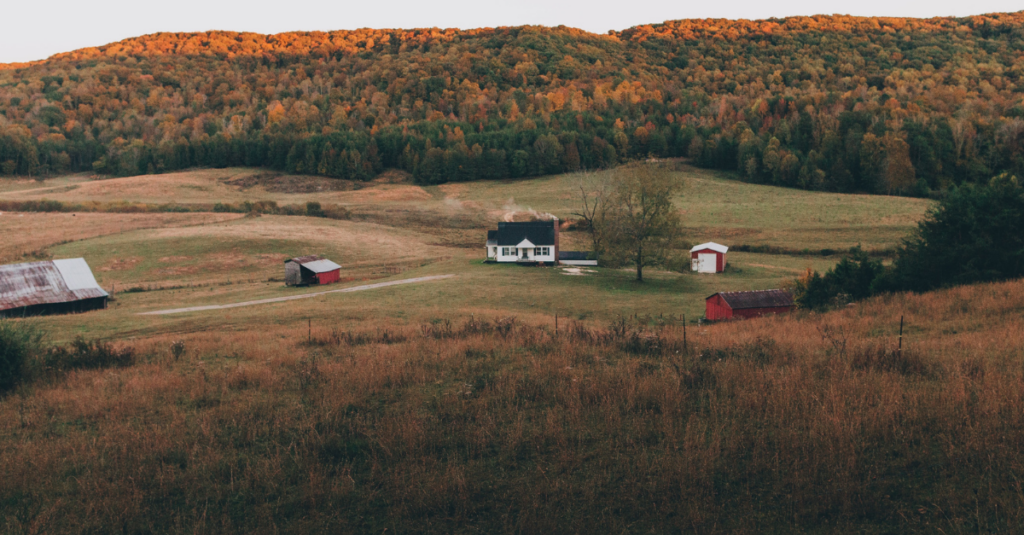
(708, 257)
(530, 242)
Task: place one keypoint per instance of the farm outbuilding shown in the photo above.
(728, 305)
(312, 269)
(708, 257)
(50, 287)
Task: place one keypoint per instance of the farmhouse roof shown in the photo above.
(49, 282)
(316, 264)
(492, 237)
(756, 299)
(538, 233)
(718, 248)
(574, 255)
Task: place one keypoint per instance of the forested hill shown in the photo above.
(838, 103)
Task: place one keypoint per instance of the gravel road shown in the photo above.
(294, 297)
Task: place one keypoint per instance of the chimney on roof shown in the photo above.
(555, 223)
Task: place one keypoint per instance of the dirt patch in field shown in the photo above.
(392, 176)
(390, 193)
(120, 264)
(173, 259)
(781, 268)
(178, 270)
(278, 183)
(453, 191)
(577, 271)
(272, 258)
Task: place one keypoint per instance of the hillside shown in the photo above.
(829, 102)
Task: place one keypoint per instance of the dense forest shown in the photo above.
(887, 105)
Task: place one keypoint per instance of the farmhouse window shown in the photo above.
(508, 251)
(543, 251)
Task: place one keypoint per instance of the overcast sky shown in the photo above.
(36, 30)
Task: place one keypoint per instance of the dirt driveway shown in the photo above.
(294, 297)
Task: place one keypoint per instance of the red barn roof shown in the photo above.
(756, 299)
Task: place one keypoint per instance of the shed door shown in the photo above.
(707, 263)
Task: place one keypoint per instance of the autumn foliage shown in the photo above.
(838, 103)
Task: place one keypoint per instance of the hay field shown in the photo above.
(28, 236)
(714, 207)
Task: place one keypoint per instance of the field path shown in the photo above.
(294, 297)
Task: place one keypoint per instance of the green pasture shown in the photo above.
(440, 230)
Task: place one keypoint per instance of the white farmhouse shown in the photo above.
(526, 242)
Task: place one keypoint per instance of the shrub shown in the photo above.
(85, 354)
(19, 342)
(313, 209)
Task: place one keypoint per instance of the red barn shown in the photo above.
(727, 305)
(708, 258)
(306, 270)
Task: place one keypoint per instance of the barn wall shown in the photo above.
(757, 312)
(329, 277)
(716, 309)
(292, 275)
(71, 307)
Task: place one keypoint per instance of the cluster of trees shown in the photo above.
(837, 103)
(975, 234)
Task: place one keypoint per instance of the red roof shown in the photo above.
(756, 299)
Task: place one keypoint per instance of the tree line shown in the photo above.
(975, 234)
(882, 105)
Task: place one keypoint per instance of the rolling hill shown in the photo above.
(834, 103)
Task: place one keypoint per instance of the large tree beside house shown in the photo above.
(641, 227)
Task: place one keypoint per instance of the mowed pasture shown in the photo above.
(396, 230)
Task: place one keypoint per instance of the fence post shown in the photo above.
(899, 348)
(309, 334)
(685, 349)
(556, 323)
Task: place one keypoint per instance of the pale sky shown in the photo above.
(36, 30)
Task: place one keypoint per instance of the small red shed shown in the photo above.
(305, 270)
(708, 257)
(727, 305)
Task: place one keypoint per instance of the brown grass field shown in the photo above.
(454, 406)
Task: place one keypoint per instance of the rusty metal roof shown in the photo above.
(756, 299)
(38, 283)
(304, 259)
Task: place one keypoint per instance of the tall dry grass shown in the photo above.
(811, 423)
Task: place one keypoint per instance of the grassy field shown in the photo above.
(453, 405)
(807, 424)
(713, 206)
(400, 230)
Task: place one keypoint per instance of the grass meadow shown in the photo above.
(455, 406)
(489, 424)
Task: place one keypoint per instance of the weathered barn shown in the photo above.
(708, 257)
(50, 287)
(728, 305)
(312, 269)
